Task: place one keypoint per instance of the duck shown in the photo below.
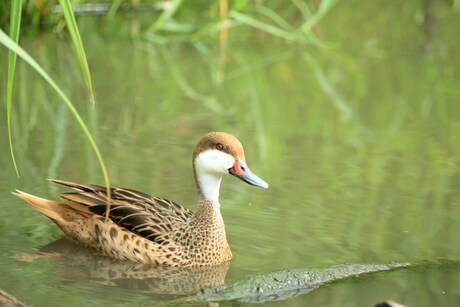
(149, 229)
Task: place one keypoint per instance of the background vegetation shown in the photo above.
(355, 127)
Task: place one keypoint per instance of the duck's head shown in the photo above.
(217, 154)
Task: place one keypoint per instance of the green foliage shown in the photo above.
(169, 21)
(15, 25)
(10, 44)
(174, 19)
(78, 45)
(14, 49)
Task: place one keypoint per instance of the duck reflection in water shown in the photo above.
(75, 262)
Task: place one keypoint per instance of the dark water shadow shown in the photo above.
(289, 283)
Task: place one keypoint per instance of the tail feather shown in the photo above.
(51, 209)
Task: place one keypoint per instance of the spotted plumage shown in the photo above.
(150, 229)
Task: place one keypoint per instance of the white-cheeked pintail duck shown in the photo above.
(151, 229)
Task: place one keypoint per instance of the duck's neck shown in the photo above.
(208, 222)
(208, 187)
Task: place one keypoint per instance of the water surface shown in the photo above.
(359, 143)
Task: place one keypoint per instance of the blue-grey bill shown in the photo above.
(248, 176)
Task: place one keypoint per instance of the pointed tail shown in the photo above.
(50, 208)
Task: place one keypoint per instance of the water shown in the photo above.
(359, 144)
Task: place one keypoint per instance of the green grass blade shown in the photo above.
(339, 102)
(114, 9)
(280, 21)
(15, 26)
(165, 16)
(10, 44)
(78, 44)
(324, 8)
(275, 31)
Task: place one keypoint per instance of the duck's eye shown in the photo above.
(219, 146)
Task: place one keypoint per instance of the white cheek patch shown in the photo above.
(213, 162)
(210, 166)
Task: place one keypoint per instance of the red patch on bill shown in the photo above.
(237, 168)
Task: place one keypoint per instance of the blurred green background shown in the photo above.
(349, 110)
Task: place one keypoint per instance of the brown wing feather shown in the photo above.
(151, 217)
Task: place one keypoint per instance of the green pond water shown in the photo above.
(359, 141)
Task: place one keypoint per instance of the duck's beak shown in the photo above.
(241, 170)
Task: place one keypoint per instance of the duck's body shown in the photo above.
(150, 229)
(140, 227)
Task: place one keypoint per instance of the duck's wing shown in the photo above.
(153, 218)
